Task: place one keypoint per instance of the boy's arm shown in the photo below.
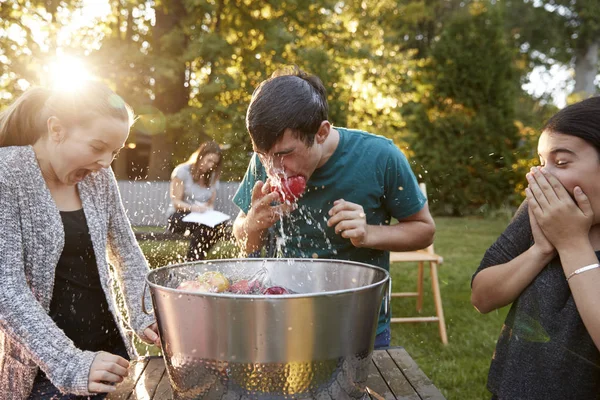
(248, 239)
(402, 199)
(410, 233)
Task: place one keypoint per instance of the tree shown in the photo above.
(464, 137)
(566, 31)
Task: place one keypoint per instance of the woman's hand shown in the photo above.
(199, 208)
(151, 335)
(540, 240)
(106, 371)
(563, 222)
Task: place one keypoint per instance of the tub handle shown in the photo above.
(151, 312)
(387, 299)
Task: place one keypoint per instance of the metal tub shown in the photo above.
(315, 344)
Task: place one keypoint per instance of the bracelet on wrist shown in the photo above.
(583, 269)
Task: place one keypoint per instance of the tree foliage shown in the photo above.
(465, 141)
(436, 74)
(564, 31)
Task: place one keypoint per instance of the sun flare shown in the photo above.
(68, 73)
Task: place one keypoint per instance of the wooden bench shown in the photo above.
(393, 375)
(147, 202)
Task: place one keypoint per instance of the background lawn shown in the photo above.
(459, 369)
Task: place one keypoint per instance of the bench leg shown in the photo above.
(437, 298)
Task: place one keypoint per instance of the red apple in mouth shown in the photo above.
(290, 188)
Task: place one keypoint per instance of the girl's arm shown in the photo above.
(567, 225)
(177, 191)
(500, 285)
(211, 202)
(24, 319)
(511, 264)
(584, 286)
(126, 256)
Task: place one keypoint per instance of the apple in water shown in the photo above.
(275, 290)
(194, 286)
(243, 286)
(290, 188)
(216, 280)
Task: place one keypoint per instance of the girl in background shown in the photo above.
(194, 189)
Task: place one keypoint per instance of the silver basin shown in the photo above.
(315, 344)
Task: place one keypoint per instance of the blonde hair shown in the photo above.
(24, 121)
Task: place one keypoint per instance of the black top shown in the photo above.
(79, 305)
(544, 350)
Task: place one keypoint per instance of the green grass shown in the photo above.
(459, 369)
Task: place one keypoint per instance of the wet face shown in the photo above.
(78, 151)
(290, 156)
(574, 162)
(208, 163)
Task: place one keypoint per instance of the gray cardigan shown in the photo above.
(31, 242)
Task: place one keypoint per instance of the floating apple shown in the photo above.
(241, 287)
(275, 290)
(194, 286)
(217, 281)
(244, 286)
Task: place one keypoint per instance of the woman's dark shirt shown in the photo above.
(79, 305)
(544, 350)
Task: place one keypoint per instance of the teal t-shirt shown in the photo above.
(364, 169)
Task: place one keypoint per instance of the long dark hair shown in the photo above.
(207, 178)
(24, 121)
(581, 119)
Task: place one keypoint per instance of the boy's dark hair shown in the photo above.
(581, 119)
(290, 99)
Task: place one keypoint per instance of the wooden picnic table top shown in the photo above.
(393, 375)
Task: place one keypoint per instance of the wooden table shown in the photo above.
(393, 375)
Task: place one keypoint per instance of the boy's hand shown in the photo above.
(349, 221)
(262, 215)
(106, 371)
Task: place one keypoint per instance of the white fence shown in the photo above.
(147, 202)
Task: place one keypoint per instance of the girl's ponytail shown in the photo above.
(22, 123)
